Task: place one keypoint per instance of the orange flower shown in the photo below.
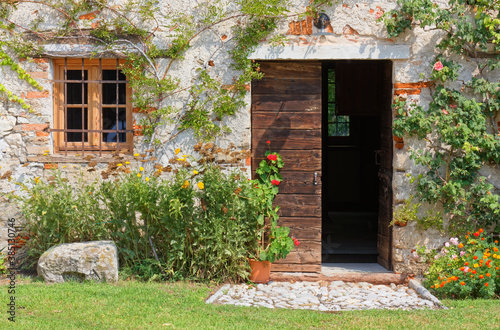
(481, 230)
(462, 283)
(467, 264)
(486, 284)
(482, 238)
(488, 274)
(474, 271)
(460, 245)
(481, 276)
(475, 258)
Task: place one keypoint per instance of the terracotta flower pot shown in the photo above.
(261, 271)
(401, 224)
(398, 139)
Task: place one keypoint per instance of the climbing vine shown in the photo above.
(459, 124)
(129, 29)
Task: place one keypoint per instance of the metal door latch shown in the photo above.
(315, 179)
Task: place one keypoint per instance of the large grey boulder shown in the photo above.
(80, 261)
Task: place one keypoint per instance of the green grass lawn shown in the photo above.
(136, 305)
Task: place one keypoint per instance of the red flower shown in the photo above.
(476, 234)
(272, 157)
(275, 182)
(481, 230)
(462, 283)
(481, 276)
(438, 66)
(268, 142)
(445, 112)
(475, 257)
(486, 284)
(296, 242)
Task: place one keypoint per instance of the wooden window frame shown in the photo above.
(94, 80)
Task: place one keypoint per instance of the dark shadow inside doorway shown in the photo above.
(355, 100)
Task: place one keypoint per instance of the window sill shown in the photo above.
(73, 158)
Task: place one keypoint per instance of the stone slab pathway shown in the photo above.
(322, 296)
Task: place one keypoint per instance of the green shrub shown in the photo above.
(200, 223)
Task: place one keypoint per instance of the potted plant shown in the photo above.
(408, 211)
(274, 242)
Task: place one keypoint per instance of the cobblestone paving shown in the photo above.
(321, 296)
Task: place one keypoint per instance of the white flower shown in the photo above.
(447, 244)
(454, 240)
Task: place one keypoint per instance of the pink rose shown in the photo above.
(438, 66)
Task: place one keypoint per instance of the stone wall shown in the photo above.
(26, 146)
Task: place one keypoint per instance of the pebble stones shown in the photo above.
(322, 296)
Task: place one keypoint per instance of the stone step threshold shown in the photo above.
(347, 272)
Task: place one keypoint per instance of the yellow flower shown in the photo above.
(147, 179)
(136, 155)
(177, 150)
(64, 166)
(138, 175)
(37, 179)
(476, 265)
(45, 155)
(47, 151)
(184, 156)
(141, 168)
(181, 159)
(201, 185)
(119, 165)
(127, 162)
(195, 171)
(185, 185)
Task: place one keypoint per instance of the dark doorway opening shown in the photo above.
(357, 161)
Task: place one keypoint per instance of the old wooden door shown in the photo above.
(384, 237)
(286, 110)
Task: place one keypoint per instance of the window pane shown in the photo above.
(339, 126)
(109, 122)
(331, 112)
(109, 89)
(74, 121)
(74, 90)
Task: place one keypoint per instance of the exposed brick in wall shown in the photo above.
(49, 166)
(303, 27)
(39, 74)
(410, 88)
(137, 129)
(34, 127)
(35, 95)
(90, 16)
